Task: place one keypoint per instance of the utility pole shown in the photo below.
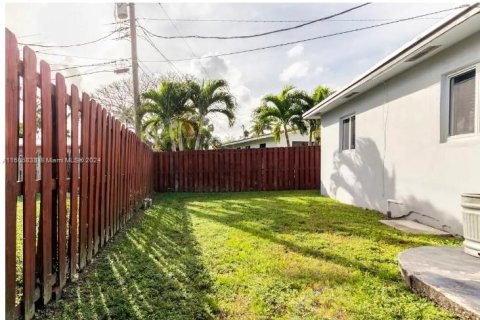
(136, 96)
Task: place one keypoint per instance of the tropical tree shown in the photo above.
(319, 94)
(153, 134)
(282, 112)
(187, 128)
(259, 126)
(211, 97)
(245, 132)
(117, 96)
(164, 107)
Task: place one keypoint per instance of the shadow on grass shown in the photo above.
(151, 270)
(271, 218)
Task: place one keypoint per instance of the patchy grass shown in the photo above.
(19, 239)
(282, 255)
(19, 244)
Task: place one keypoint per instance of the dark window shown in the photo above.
(263, 145)
(462, 103)
(348, 133)
(299, 143)
(352, 133)
(345, 134)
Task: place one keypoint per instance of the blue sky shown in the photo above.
(332, 61)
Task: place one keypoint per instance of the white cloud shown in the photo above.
(220, 68)
(251, 75)
(295, 51)
(296, 70)
(319, 70)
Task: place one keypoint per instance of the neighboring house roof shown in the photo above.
(450, 30)
(253, 139)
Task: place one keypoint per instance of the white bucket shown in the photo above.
(471, 223)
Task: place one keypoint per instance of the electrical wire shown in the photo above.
(89, 73)
(313, 38)
(271, 46)
(69, 45)
(273, 21)
(184, 40)
(263, 33)
(143, 66)
(73, 56)
(174, 67)
(28, 35)
(68, 67)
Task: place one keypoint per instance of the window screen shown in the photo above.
(345, 134)
(352, 133)
(462, 103)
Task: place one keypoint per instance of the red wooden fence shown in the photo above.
(102, 194)
(238, 170)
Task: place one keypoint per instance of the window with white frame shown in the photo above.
(463, 103)
(348, 132)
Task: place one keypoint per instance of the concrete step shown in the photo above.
(446, 275)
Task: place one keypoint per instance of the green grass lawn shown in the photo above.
(282, 255)
(19, 239)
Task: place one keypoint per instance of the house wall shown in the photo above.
(270, 142)
(401, 148)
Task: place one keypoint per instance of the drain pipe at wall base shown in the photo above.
(391, 203)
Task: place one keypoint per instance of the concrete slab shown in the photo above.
(414, 227)
(445, 275)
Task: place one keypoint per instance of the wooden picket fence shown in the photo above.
(60, 239)
(238, 170)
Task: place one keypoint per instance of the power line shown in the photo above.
(74, 56)
(29, 35)
(141, 65)
(315, 38)
(68, 67)
(143, 70)
(263, 33)
(88, 73)
(69, 45)
(184, 40)
(272, 46)
(274, 21)
(147, 38)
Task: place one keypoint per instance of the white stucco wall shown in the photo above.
(270, 142)
(401, 148)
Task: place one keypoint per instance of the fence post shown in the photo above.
(45, 229)
(11, 168)
(29, 201)
(103, 188)
(84, 180)
(61, 154)
(107, 191)
(73, 244)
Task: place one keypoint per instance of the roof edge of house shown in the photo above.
(449, 22)
(264, 136)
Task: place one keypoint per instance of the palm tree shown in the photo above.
(165, 106)
(283, 112)
(151, 132)
(319, 94)
(259, 126)
(245, 132)
(187, 128)
(211, 97)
